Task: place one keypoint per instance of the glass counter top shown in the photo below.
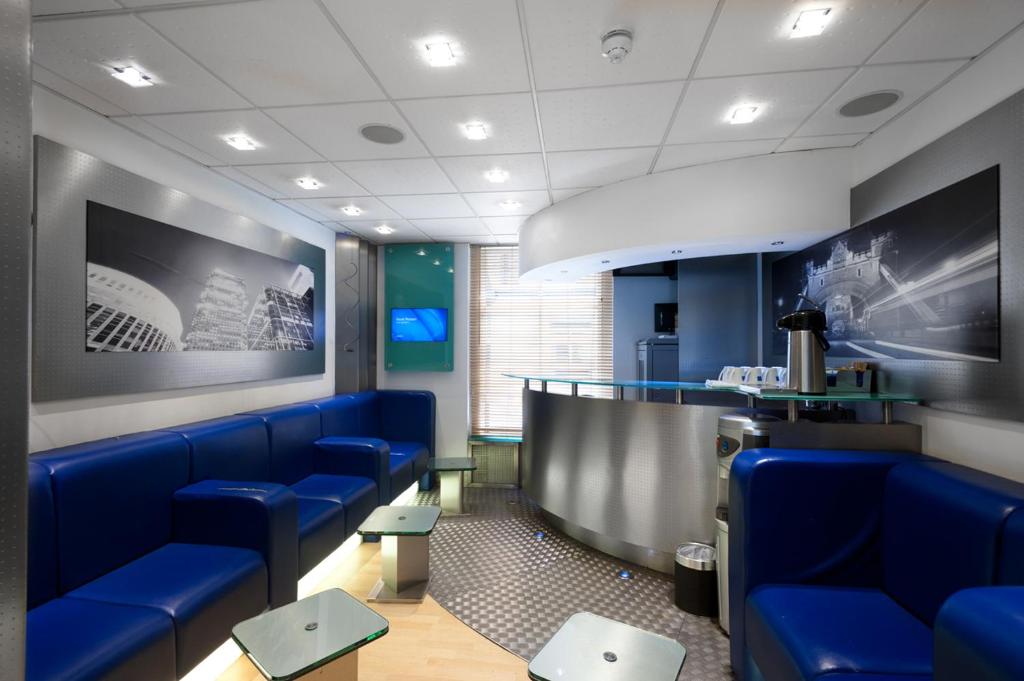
(690, 386)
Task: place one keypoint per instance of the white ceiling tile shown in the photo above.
(911, 80)
(390, 36)
(447, 227)
(570, 169)
(247, 182)
(45, 7)
(623, 116)
(275, 52)
(682, 155)
(525, 171)
(402, 176)
(330, 208)
(303, 209)
(405, 232)
(65, 87)
(752, 36)
(510, 120)
(430, 206)
(334, 130)
(84, 51)
(820, 142)
(476, 239)
(506, 239)
(565, 40)
(950, 29)
(505, 225)
(563, 194)
(170, 141)
(489, 203)
(785, 100)
(280, 178)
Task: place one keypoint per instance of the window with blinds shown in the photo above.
(532, 328)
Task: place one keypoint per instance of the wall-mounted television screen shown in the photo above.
(419, 324)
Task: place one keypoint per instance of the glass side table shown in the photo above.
(319, 635)
(593, 648)
(404, 551)
(449, 473)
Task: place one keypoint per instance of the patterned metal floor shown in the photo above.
(493, 571)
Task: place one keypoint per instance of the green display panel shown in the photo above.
(419, 307)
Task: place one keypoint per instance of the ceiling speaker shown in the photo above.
(870, 104)
(382, 134)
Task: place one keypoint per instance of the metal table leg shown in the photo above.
(345, 668)
(887, 416)
(792, 411)
(405, 569)
(451, 492)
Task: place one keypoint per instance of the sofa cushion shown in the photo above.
(803, 632)
(293, 430)
(357, 495)
(229, 448)
(321, 531)
(401, 474)
(941, 530)
(978, 635)
(69, 639)
(205, 589)
(42, 538)
(1011, 559)
(417, 452)
(113, 501)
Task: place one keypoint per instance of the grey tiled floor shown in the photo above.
(490, 569)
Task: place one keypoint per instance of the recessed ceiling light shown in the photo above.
(743, 114)
(351, 211)
(510, 204)
(496, 175)
(811, 22)
(440, 53)
(384, 229)
(421, 252)
(130, 75)
(242, 142)
(437, 263)
(475, 131)
(308, 183)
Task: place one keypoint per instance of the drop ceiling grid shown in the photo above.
(527, 13)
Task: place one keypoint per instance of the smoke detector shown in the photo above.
(616, 45)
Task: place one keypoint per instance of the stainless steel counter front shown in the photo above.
(632, 479)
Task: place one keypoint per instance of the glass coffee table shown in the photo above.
(319, 635)
(593, 648)
(404, 551)
(449, 473)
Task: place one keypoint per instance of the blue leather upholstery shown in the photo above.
(368, 457)
(258, 516)
(293, 430)
(803, 632)
(357, 495)
(113, 501)
(943, 524)
(206, 590)
(229, 448)
(1011, 561)
(42, 538)
(320, 524)
(68, 639)
(979, 635)
(417, 454)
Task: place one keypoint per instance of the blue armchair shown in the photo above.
(842, 561)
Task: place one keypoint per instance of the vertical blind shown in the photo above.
(533, 328)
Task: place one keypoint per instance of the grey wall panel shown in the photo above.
(65, 180)
(994, 137)
(15, 259)
(355, 286)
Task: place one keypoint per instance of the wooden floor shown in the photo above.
(425, 641)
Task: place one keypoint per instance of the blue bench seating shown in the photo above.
(874, 566)
(392, 429)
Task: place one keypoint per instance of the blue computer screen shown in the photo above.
(419, 324)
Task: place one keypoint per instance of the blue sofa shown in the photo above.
(133, 572)
(873, 566)
(393, 428)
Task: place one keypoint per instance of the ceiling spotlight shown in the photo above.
(440, 53)
(384, 229)
(616, 45)
(352, 211)
(496, 175)
(741, 115)
(811, 23)
(130, 75)
(475, 131)
(242, 142)
(421, 252)
(309, 183)
(510, 204)
(437, 263)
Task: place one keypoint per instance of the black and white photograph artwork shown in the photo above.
(920, 282)
(152, 287)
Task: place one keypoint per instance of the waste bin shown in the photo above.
(696, 583)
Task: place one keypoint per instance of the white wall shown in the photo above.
(633, 315)
(450, 387)
(54, 424)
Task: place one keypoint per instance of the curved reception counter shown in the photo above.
(631, 479)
